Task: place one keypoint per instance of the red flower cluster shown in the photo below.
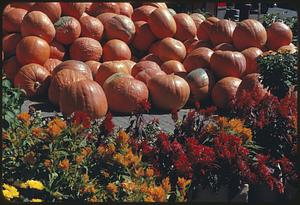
(227, 146)
(108, 123)
(163, 140)
(81, 118)
(174, 114)
(183, 165)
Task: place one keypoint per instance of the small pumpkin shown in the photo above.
(12, 20)
(32, 49)
(204, 29)
(51, 63)
(168, 92)
(224, 91)
(198, 58)
(73, 9)
(94, 66)
(144, 37)
(152, 57)
(173, 66)
(36, 23)
(171, 49)
(9, 44)
(147, 74)
(222, 31)
(142, 13)
(199, 44)
(75, 65)
(116, 50)
(85, 49)
(143, 65)
(104, 17)
(104, 7)
(34, 79)
(251, 55)
(278, 34)
(224, 47)
(57, 50)
(197, 18)
(68, 29)
(86, 96)
(186, 27)
(91, 27)
(126, 9)
(11, 67)
(51, 9)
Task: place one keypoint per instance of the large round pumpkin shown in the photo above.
(152, 57)
(11, 67)
(249, 33)
(36, 23)
(279, 34)
(173, 66)
(86, 96)
(32, 49)
(104, 17)
(198, 58)
(144, 37)
(186, 27)
(85, 49)
(68, 29)
(9, 44)
(94, 66)
(51, 9)
(142, 13)
(228, 63)
(143, 65)
(104, 7)
(204, 29)
(156, 4)
(57, 50)
(73, 9)
(60, 80)
(222, 31)
(201, 82)
(197, 18)
(147, 74)
(120, 27)
(162, 23)
(23, 5)
(51, 63)
(198, 44)
(126, 9)
(171, 49)
(168, 92)
(78, 66)
(251, 55)
(125, 94)
(91, 27)
(116, 50)
(224, 47)
(224, 91)
(129, 64)
(109, 68)
(12, 19)
(34, 79)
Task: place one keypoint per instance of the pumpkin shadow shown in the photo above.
(44, 107)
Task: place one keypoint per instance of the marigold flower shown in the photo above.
(89, 189)
(10, 192)
(111, 148)
(183, 183)
(123, 137)
(128, 186)
(85, 178)
(157, 193)
(36, 200)
(144, 187)
(47, 163)
(101, 150)
(139, 172)
(54, 130)
(166, 184)
(148, 199)
(34, 184)
(37, 131)
(86, 151)
(112, 188)
(64, 164)
(223, 122)
(79, 159)
(24, 117)
(149, 172)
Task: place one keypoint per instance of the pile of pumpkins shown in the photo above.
(103, 55)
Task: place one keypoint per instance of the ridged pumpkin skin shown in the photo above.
(75, 65)
(109, 68)
(23, 5)
(201, 82)
(197, 18)
(186, 27)
(249, 33)
(68, 29)
(279, 34)
(11, 67)
(224, 91)
(91, 27)
(116, 50)
(120, 27)
(198, 44)
(85, 49)
(143, 65)
(86, 96)
(104, 17)
(156, 4)
(94, 66)
(249, 84)
(36, 23)
(222, 31)
(142, 13)
(152, 57)
(204, 29)
(168, 92)
(144, 37)
(51, 63)
(171, 49)
(60, 80)
(198, 58)
(104, 7)
(73, 9)
(291, 48)
(228, 63)
(126, 9)
(162, 23)
(51, 9)
(34, 79)
(12, 20)
(125, 94)
(147, 74)
(9, 44)
(224, 47)
(129, 64)
(32, 49)
(57, 50)
(173, 66)
(251, 55)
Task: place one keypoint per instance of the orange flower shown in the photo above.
(37, 131)
(25, 117)
(139, 172)
(158, 194)
(101, 150)
(47, 163)
(149, 172)
(129, 186)
(148, 199)
(86, 151)
(183, 183)
(123, 137)
(111, 148)
(105, 174)
(166, 184)
(85, 178)
(89, 189)
(93, 199)
(112, 188)
(59, 122)
(64, 164)
(144, 187)
(79, 159)
(54, 130)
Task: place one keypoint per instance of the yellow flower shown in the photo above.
(123, 137)
(25, 117)
(64, 164)
(247, 133)
(85, 178)
(7, 194)
(166, 184)
(112, 188)
(89, 189)
(34, 184)
(148, 199)
(238, 126)
(23, 185)
(158, 194)
(36, 200)
(10, 192)
(223, 122)
(183, 183)
(93, 199)
(128, 186)
(149, 172)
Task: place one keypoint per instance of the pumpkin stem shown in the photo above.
(37, 85)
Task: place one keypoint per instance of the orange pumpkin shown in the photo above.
(104, 17)
(11, 67)
(147, 74)
(198, 44)
(171, 49)
(129, 64)
(174, 89)
(125, 94)
(162, 23)
(198, 58)
(57, 50)
(201, 82)
(104, 7)
(12, 20)
(9, 44)
(120, 27)
(222, 31)
(126, 9)
(85, 49)
(249, 33)
(156, 4)
(204, 29)
(152, 57)
(32, 49)
(86, 96)
(155, 48)
(51, 9)
(94, 66)
(73, 9)
(224, 91)
(60, 80)
(91, 27)
(197, 18)
(23, 5)
(143, 65)
(142, 13)
(173, 66)
(279, 34)
(224, 47)
(34, 79)
(51, 63)
(75, 65)
(68, 29)
(36, 23)
(186, 27)
(251, 55)
(144, 37)
(116, 50)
